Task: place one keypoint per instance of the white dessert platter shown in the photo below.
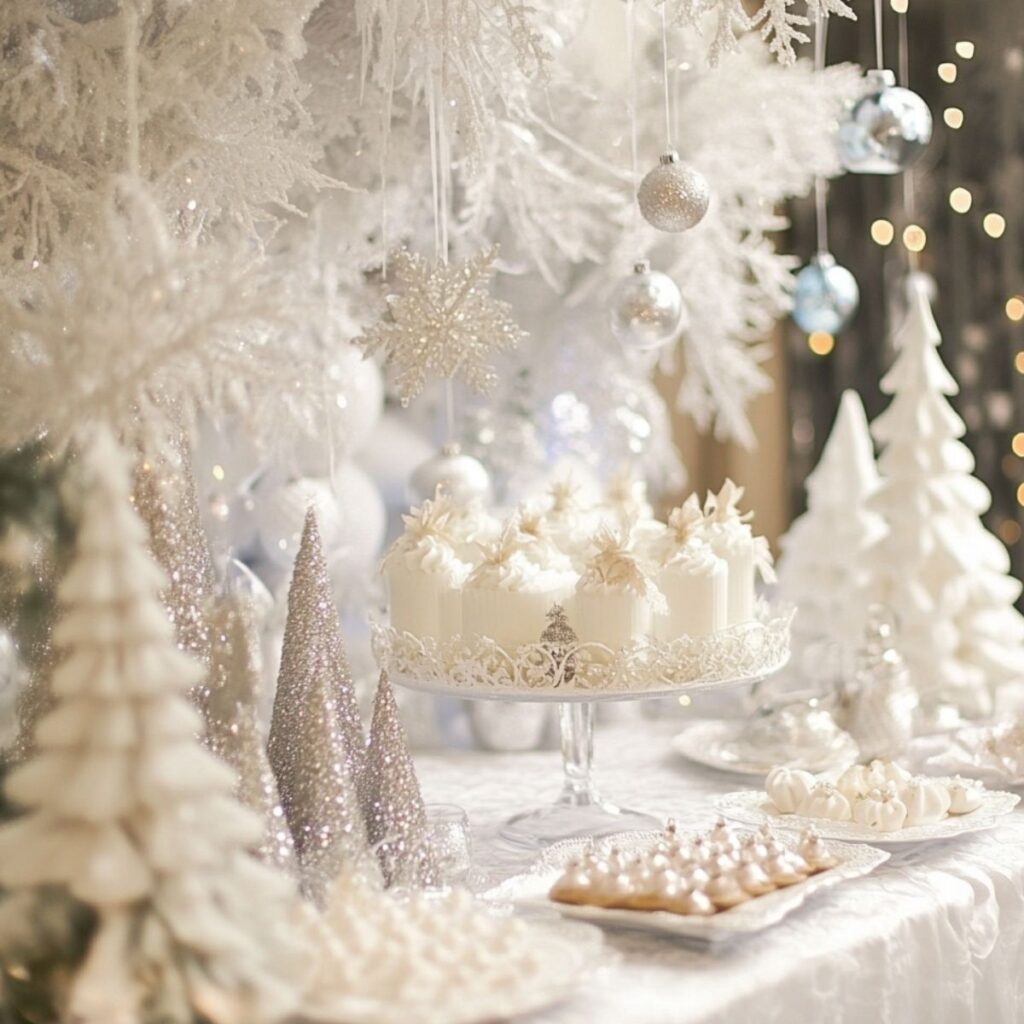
(714, 743)
(971, 754)
(531, 890)
(754, 807)
(576, 677)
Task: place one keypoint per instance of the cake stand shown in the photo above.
(577, 678)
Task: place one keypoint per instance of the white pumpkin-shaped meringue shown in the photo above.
(965, 795)
(855, 782)
(926, 801)
(889, 771)
(881, 809)
(787, 788)
(825, 801)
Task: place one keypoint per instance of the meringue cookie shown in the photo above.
(754, 879)
(855, 782)
(881, 809)
(965, 795)
(814, 851)
(575, 886)
(783, 871)
(787, 788)
(725, 891)
(692, 902)
(890, 771)
(926, 801)
(825, 801)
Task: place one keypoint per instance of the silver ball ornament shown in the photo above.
(461, 476)
(673, 196)
(826, 296)
(646, 309)
(887, 130)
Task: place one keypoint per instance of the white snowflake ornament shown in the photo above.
(442, 320)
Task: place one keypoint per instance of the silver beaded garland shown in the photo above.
(673, 196)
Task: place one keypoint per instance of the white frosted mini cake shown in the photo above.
(693, 579)
(424, 575)
(616, 598)
(728, 532)
(507, 597)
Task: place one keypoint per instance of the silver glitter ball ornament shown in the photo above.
(673, 196)
(887, 130)
(461, 476)
(646, 309)
(826, 296)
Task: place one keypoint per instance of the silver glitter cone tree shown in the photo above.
(128, 814)
(317, 746)
(233, 730)
(562, 640)
(396, 819)
(166, 498)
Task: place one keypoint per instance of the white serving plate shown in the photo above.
(965, 756)
(708, 743)
(531, 890)
(752, 807)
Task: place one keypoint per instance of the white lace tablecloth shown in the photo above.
(934, 935)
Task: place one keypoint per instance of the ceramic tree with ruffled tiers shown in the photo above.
(129, 816)
(940, 571)
(822, 570)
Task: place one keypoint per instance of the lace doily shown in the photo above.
(479, 666)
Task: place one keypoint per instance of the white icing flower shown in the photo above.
(965, 795)
(787, 788)
(537, 539)
(504, 566)
(615, 566)
(926, 801)
(825, 801)
(729, 530)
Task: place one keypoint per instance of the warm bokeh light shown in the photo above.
(947, 72)
(899, 6)
(1020, 495)
(960, 199)
(1018, 362)
(953, 116)
(1015, 308)
(1017, 444)
(914, 238)
(882, 232)
(218, 472)
(1009, 532)
(964, 48)
(821, 343)
(994, 225)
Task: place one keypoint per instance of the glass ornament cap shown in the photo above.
(887, 130)
(646, 309)
(826, 296)
(673, 196)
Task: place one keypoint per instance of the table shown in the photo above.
(934, 935)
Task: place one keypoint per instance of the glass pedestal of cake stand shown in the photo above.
(580, 810)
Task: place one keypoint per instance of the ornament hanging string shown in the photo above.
(909, 198)
(879, 48)
(634, 157)
(665, 82)
(820, 185)
(131, 74)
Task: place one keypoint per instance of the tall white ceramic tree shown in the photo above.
(822, 569)
(942, 573)
(130, 815)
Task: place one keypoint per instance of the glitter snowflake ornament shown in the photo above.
(443, 321)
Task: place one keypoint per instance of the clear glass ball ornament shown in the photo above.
(459, 475)
(673, 196)
(887, 130)
(826, 296)
(646, 309)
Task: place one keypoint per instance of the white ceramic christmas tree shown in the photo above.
(822, 570)
(939, 570)
(130, 815)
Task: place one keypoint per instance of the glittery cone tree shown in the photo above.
(396, 819)
(938, 569)
(561, 638)
(233, 730)
(165, 496)
(317, 746)
(127, 813)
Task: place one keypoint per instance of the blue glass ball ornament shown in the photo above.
(887, 130)
(825, 297)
